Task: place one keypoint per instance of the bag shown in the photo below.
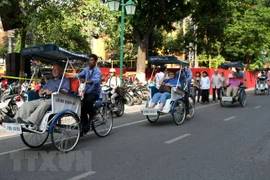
(120, 91)
(164, 88)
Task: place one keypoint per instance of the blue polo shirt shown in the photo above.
(171, 81)
(94, 75)
(54, 83)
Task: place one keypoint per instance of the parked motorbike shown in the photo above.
(9, 107)
(13, 88)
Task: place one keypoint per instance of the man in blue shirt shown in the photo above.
(93, 78)
(32, 112)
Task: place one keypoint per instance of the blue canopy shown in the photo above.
(159, 60)
(232, 64)
(51, 53)
(263, 69)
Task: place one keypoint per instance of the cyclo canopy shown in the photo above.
(50, 53)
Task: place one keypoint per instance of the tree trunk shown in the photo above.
(142, 51)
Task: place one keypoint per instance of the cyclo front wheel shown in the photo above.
(103, 122)
(32, 139)
(66, 132)
(191, 106)
(179, 112)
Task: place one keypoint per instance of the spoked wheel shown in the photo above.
(66, 132)
(34, 140)
(13, 108)
(103, 121)
(243, 98)
(222, 93)
(153, 118)
(179, 112)
(137, 99)
(191, 107)
(222, 103)
(129, 99)
(121, 108)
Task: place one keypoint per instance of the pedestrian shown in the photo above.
(196, 84)
(216, 82)
(205, 86)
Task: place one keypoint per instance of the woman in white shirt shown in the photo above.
(160, 76)
(113, 81)
(205, 86)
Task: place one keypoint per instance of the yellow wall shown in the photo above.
(98, 47)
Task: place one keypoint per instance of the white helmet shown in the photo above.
(112, 70)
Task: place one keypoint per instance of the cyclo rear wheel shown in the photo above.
(179, 112)
(66, 132)
(243, 98)
(103, 121)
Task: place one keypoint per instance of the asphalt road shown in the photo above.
(229, 143)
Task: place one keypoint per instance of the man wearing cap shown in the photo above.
(216, 83)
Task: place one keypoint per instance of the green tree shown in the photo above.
(249, 33)
(210, 18)
(152, 14)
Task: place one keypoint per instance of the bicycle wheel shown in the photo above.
(121, 107)
(179, 112)
(103, 121)
(66, 132)
(34, 140)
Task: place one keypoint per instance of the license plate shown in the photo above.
(227, 98)
(149, 111)
(13, 128)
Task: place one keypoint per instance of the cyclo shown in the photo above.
(175, 104)
(262, 82)
(241, 96)
(62, 121)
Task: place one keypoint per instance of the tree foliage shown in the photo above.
(69, 24)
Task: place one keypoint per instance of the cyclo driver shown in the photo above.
(241, 75)
(93, 77)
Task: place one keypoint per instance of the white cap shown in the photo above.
(234, 70)
(112, 70)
